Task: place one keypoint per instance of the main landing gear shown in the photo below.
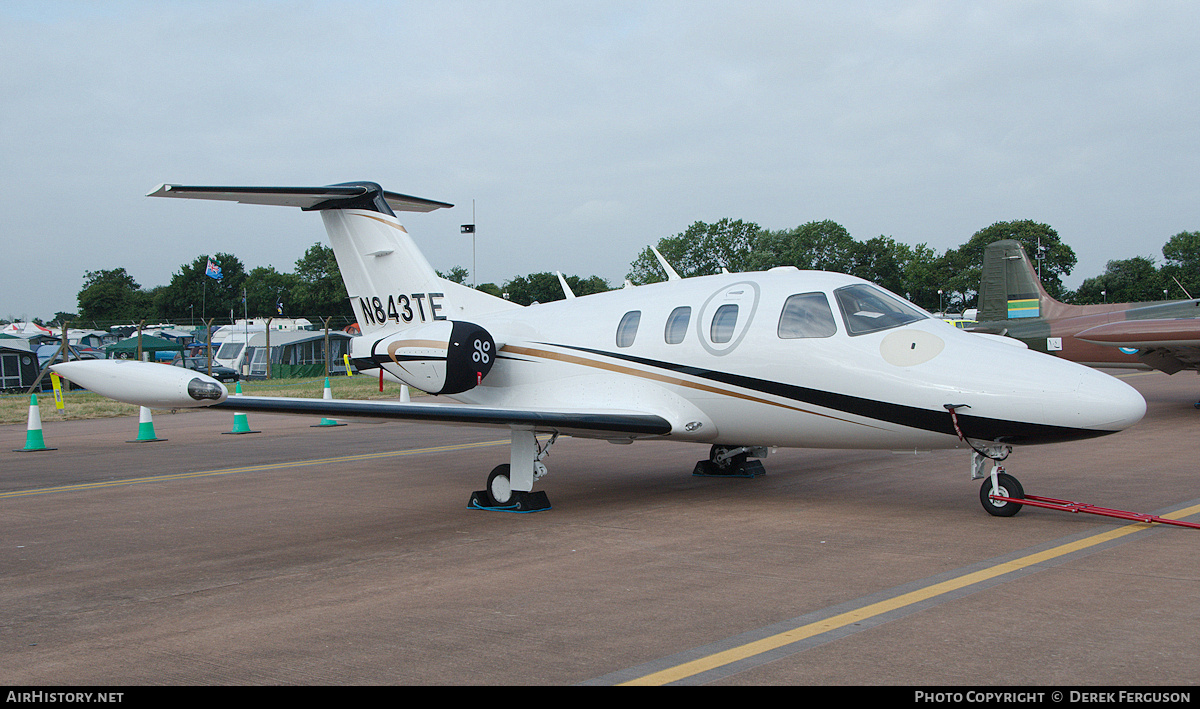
(510, 486)
(732, 462)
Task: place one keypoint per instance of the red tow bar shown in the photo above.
(1050, 503)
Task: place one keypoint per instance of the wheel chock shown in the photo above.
(747, 469)
(524, 502)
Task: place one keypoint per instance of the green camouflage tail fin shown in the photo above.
(1010, 288)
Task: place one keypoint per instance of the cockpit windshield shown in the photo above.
(868, 309)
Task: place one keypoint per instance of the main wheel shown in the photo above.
(499, 487)
(729, 464)
(1006, 485)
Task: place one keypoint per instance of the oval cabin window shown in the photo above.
(627, 330)
(677, 324)
(723, 323)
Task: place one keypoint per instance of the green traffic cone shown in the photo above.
(241, 424)
(33, 431)
(145, 428)
(327, 396)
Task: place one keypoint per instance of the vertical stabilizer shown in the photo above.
(387, 278)
(1009, 288)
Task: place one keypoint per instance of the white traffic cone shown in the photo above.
(33, 431)
(328, 396)
(241, 424)
(145, 428)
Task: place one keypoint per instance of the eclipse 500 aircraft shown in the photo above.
(740, 362)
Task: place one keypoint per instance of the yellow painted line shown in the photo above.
(758, 647)
(247, 469)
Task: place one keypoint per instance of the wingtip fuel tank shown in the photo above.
(147, 384)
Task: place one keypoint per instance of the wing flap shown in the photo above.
(591, 423)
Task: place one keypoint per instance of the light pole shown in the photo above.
(470, 229)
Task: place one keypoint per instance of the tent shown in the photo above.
(18, 365)
(296, 354)
(127, 349)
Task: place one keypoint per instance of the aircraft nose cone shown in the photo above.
(1109, 404)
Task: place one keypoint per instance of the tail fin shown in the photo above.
(387, 278)
(1010, 288)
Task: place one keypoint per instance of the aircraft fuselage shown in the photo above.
(718, 358)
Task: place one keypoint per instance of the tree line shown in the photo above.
(313, 288)
(947, 281)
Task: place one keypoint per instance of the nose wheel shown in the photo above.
(1001, 485)
(996, 483)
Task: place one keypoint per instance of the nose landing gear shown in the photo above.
(997, 484)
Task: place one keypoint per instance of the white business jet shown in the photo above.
(741, 362)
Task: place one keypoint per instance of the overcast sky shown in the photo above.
(583, 131)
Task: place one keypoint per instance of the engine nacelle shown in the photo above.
(443, 357)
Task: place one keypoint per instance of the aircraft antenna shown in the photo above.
(671, 274)
(1185, 291)
(566, 288)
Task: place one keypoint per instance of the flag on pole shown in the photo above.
(213, 270)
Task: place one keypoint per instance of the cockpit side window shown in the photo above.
(868, 309)
(627, 330)
(806, 315)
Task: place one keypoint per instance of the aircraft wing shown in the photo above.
(1167, 344)
(581, 423)
(165, 387)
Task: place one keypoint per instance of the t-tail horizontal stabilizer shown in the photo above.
(350, 195)
(390, 284)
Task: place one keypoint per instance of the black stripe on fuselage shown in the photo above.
(977, 427)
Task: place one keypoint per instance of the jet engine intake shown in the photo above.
(444, 357)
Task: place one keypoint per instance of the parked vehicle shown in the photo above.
(200, 364)
(47, 352)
